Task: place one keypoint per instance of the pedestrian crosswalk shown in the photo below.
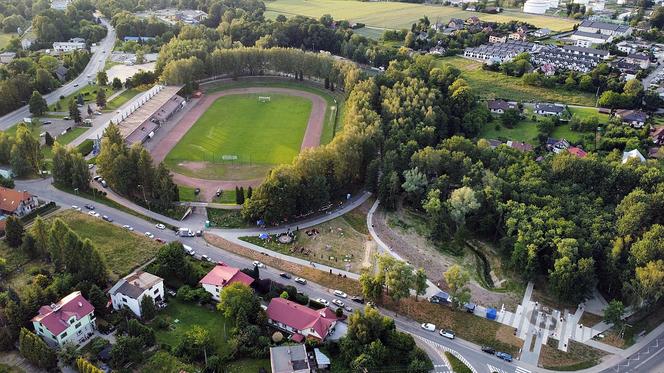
(441, 368)
(522, 370)
(493, 369)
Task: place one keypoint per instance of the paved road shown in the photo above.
(645, 356)
(96, 64)
(648, 79)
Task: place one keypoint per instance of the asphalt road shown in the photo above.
(96, 64)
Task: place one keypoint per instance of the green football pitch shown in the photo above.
(239, 137)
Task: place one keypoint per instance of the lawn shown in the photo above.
(220, 218)
(187, 194)
(337, 245)
(525, 131)
(587, 112)
(258, 134)
(89, 93)
(577, 357)
(490, 85)
(457, 365)
(565, 132)
(227, 197)
(395, 15)
(5, 38)
(122, 250)
(183, 316)
(122, 99)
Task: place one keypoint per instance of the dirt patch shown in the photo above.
(347, 285)
(193, 165)
(590, 319)
(410, 243)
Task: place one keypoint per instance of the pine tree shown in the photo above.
(250, 192)
(241, 196)
(74, 113)
(148, 310)
(101, 98)
(37, 104)
(48, 139)
(237, 196)
(14, 231)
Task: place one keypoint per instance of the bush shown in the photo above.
(160, 323)
(315, 305)
(85, 147)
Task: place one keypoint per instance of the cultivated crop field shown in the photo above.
(394, 15)
(257, 133)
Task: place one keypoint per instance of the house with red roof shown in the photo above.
(222, 275)
(15, 202)
(577, 151)
(300, 321)
(72, 319)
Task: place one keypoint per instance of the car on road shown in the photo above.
(340, 294)
(348, 309)
(300, 280)
(338, 302)
(160, 226)
(91, 213)
(160, 240)
(89, 207)
(96, 215)
(205, 258)
(504, 355)
(128, 227)
(188, 250)
(322, 301)
(107, 218)
(489, 350)
(429, 327)
(149, 235)
(47, 122)
(357, 300)
(447, 333)
(66, 118)
(76, 85)
(258, 264)
(74, 207)
(285, 275)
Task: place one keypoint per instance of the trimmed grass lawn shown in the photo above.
(70, 136)
(187, 194)
(565, 132)
(525, 131)
(89, 93)
(122, 99)
(227, 197)
(394, 15)
(587, 112)
(122, 250)
(248, 366)
(262, 134)
(183, 316)
(490, 85)
(220, 218)
(457, 365)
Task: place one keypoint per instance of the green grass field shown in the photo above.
(396, 15)
(490, 85)
(525, 131)
(259, 134)
(5, 38)
(122, 99)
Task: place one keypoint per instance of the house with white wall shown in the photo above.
(72, 319)
(222, 275)
(130, 290)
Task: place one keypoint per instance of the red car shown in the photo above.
(159, 240)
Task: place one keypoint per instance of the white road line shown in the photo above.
(493, 369)
(646, 360)
(522, 370)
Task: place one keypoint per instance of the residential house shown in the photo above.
(518, 35)
(68, 46)
(300, 321)
(588, 39)
(7, 57)
(16, 202)
(493, 143)
(630, 47)
(549, 109)
(437, 50)
(289, 359)
(138, 39)
(541, 32)
(520, 146)
(568, 58)
(604, 28)
(130, 291)
(60, 4)
(456, 24)
(27, 41)
(72, 319)
(474, 20)
(495, 38)
(522, 29)
(500, 52)
(557, 146)
(640, 59)
(587, 52)
(633, 154)
(500, 106)
(657, 135)
(548, 69)
(61, 73)
(222, 275)
(578, 152)
(634, 118)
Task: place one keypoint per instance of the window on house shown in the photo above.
(156, 291)
(78, 325)
(63, 335)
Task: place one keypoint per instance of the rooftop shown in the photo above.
(11, 198)
(55, 317)
(287, 359)
(301, 317)
(591, 35)
(135, 284)
(222, 275)
(145, 111)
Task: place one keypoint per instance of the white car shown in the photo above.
(97, 215)
(338, 302)
(322, 301)
(76, 208)
(205, 258)
(259, 264)
(149, 235)
(429, 327)
(91, 213)
(128, 227)
(160, 226)
(340, 294)
(447, 333)
(300, 280)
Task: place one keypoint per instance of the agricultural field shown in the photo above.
(394, 15)
(260, 135)
(490, 85)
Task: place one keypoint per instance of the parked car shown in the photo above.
(429, 327)
(357, 300)
(322, 301)
(198, 233)
(258, 264)
(447, 333)
(89, 207)
(348, 309)
(285, 275)
(188, 250)
(128, 227)
(338, 302)
(159, 240)
(300, 280)
(91, 213)
(66, 118)
(149, 235)
(505, 356)
(340, 294)
(205, 258)
(74, 207)
(489, 350)
(96, 215)
(47, 122)
(160, 226)
(107, 218)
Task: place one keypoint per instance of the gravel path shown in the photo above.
(311, 138)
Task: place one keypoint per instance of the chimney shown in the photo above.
(80, 304)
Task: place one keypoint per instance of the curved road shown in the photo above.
(96, 64)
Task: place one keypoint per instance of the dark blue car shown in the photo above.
(505, 356)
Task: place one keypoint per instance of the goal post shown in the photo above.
(263, 98)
